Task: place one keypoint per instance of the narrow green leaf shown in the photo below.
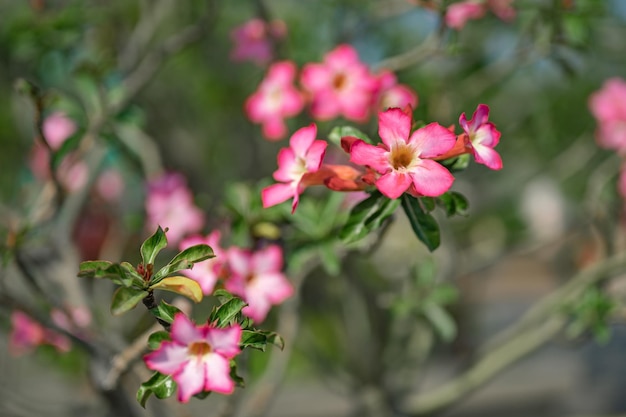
(132, 273)
(423, 224)
(441, 321)
(162, 386)
(106, 270)
(165, 311)
(339, 132)
(222, 294)
(87, 268)
(259, 339)
(453, 203)
(125, 299)
(152, 246)
(235, 376)
(184, 260)
(367, 216)
(227, 312)
(155, 339)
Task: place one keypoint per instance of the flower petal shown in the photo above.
(269, 259)
(487, 156)
(217, 371)
(190, 379)
(277, 193)
(287, 165)
(431, 179)
(486, 135)
(168, 359)
(274, 286)
(184, 331)
(432, 140)
(239, 261)
(315, 155)
(393, 184)
(362, 153)
(393, 126)
(302, 139)
(225, 341)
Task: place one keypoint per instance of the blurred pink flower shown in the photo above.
(257, 278)
(340, 86)
(170, 204)
(458, 14)
(26, 334)
(253, 40)
(483, 137)
(503, 9)
(57, 128)
(110, 185)
(207, 272)
(197, 357)
(391, 94)
(72, 172)
(303, 156)
(608, 105)
(403, 158)
(275, 99)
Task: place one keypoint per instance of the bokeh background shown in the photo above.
(551, 211)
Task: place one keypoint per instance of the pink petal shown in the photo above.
(302, 139)
(315, 155)
(432, 140)
(362, 153)
(486, 135)
(184, 331)
(393, 184)
(274, 128)
(240, 261)
(168, 359)
(315, 77)
(190, 379)
(287, 164)
(257, 308)
(325, 106)
(225, 341)
(274, 286)
(269, 259)
(217, 371)
(487, 156)
(342, 56)
(393, 126)
(431, 179)
(277, 193)
(282, 72)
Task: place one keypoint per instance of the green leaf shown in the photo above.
(70, 145)
(152, 246)
(441, 321)
(460, 163)
(162, 386)
(223, 295)
(227, 312)
(259, 339)
(125, 299)
(184, 260)
(330, 258)
(180, 285)
(367, 216)
(423, 224)
(155, 339)
(234, 376)
(133, 274)
(165, 312)
(88, 268)
(339, 132)
(106, 270)
(453, 203)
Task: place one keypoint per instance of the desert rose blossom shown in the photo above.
(405, 159)
(72, 173)
(458, 14)
(57, 128)
(608, 106)
(169, 203)
(207, 272)
(257, 278)
(26, 334)
(391, 94)
(340, 86)
(275, 99)
(254, 40)
(483, 137)
(197, 357)
(303, 157)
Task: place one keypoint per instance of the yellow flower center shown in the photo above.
(401, 157)
(199, 349)
(339, 81)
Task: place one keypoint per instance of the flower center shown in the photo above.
(199, 349)
(401, 157)
(339, 81)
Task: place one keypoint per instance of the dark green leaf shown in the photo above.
(339, 132)
(162, 386)
(222, 294)
(227, 312)
(428, 203)
(155, 339)
(258, 339)
(184, 260)
(88, 269)
(70, 145)
(152, 246)
(457, 164)
(367, 216)
(132, 273)
(423, 224)
(234, 376)
(125, 299)
(106, 270)
(165, 311)
(453, 203)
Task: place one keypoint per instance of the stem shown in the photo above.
(151, 304)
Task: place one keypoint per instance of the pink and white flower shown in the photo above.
(197, 357)
(57, 128)
(391, 94)
(27, 334)
(458, 14)
(608, 105)
(275, 99)
(303, 157)
(207, 272)
(483, 137)
(170, 204)
(72, 173)
(404, 158)
(340, 86)
(257, 278)
(253, 40)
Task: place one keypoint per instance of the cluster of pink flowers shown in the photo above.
(608, 105)
(405, 161)
(457, 14)
(254, 40)
(340, 86)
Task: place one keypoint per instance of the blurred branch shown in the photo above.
(535, 328)
(430, 46)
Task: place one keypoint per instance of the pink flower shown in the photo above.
(169, 203)
(403, 158)
(608, 105)
(340, 86)
(391, 94)
(207, 272)
(57, 128)
(197, 357)
(458, 14)
(257, 278)
(275, 99)
(483, 137)
(253, 40)
(503, 9)
(72, 172)
(303, 157)
(26, 334)
(110, 185)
